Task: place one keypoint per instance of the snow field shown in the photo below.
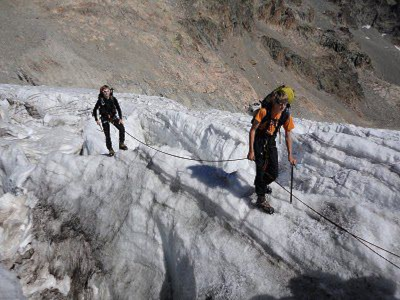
(148, 226)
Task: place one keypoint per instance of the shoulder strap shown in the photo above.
(267, 118)
(285, 115)
(282, 120)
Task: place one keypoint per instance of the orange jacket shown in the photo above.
(270, 128)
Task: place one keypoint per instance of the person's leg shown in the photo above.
(267, 167)
(121, 129)
(272, 170)
(106, 129)
(259, 181)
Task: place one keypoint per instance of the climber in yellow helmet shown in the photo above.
(267, 121)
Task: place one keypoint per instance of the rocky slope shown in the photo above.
(223, 54)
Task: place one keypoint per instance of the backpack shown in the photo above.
(267, 104)
(286, 89)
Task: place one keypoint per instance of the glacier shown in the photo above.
(77, 224)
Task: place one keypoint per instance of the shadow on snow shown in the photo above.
(215, 177)
(328, 286)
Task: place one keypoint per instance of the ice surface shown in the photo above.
(144, 225)
(9, 286)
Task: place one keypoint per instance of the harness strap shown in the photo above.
(106, 113)
(278, 123)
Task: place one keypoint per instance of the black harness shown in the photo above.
(107, 109)
(268, 120)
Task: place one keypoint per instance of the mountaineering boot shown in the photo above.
(260, 199)
(122, 146)
(111, 152)
(264, 205)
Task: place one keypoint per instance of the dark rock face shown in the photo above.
(384, 15)
(211, 21)
(330, 39)
(334, 73)
(204, 31)
(287, 58)
(329, 73)
(276, 12)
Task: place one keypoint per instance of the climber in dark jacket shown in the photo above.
(108, 107)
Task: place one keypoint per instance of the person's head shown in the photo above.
(105, 91)
(280, 100)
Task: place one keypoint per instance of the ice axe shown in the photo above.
(291, 184)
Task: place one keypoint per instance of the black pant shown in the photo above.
(266, 158)
(106, 128)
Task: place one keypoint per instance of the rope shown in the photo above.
(359, 239)
(390, 262)
(183, 157)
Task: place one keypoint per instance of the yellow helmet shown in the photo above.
(289, 93)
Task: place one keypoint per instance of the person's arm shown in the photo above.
(94, 114)
(118, 109)
(252, 135)
(288, 139)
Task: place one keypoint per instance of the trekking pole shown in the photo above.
(291, 185)
(101, 127)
